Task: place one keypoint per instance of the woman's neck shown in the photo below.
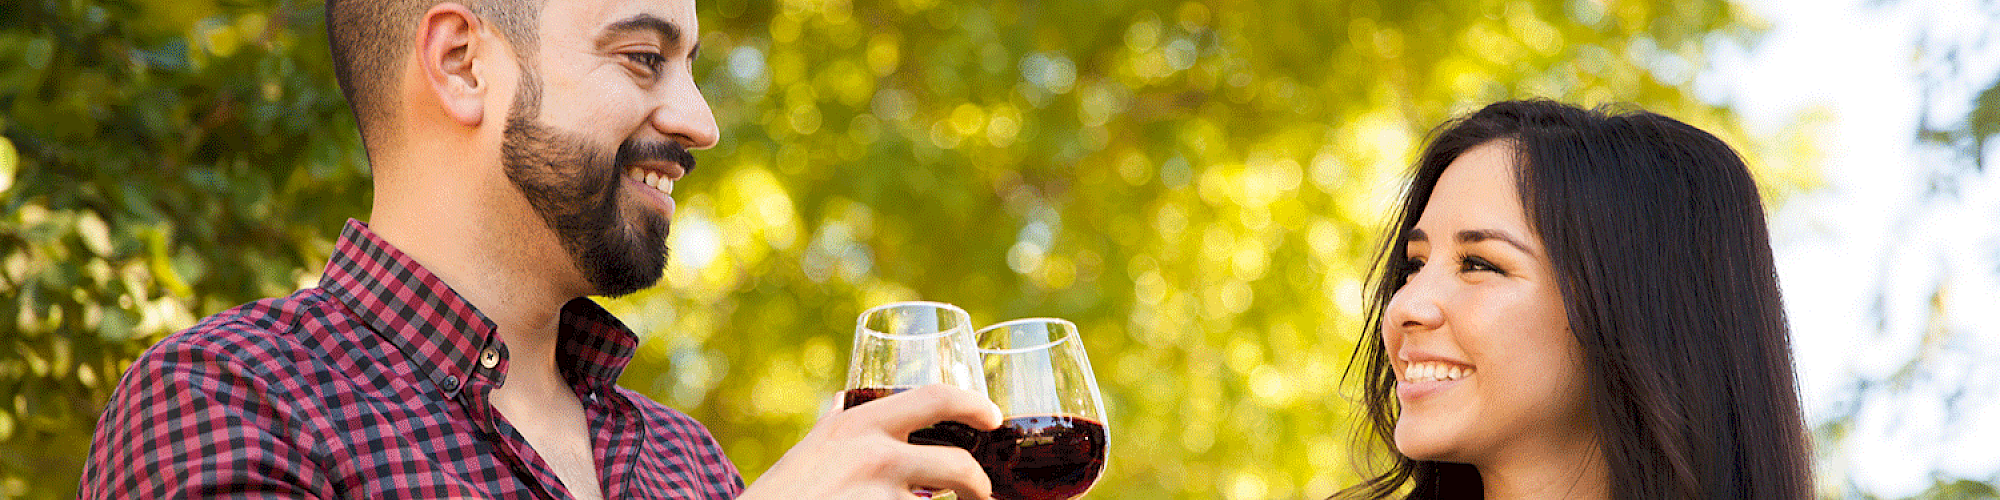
(1580, 474)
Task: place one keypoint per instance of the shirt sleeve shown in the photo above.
(189, 420)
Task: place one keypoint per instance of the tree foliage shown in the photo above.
(174, 159)
(1197, 184)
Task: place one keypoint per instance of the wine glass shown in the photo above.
(1051, 442)
(903, 345)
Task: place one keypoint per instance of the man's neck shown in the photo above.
(487, 262)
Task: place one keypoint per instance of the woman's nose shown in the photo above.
(1414, 306)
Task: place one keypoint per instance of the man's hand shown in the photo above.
(864, 453)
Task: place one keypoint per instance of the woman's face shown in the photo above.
(1486, 369)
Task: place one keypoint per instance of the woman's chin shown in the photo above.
(1422, 444)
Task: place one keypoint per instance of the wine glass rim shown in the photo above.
(1071, 333)
(861, 321)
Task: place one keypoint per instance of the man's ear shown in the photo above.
(448, 45)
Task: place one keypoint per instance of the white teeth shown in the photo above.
(1434, 371)
(660, 182)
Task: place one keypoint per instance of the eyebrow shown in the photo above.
(1472, 236)
(669, 33)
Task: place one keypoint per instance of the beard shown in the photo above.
(619, 247)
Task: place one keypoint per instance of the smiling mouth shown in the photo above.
(1435, 371)
(659, 182)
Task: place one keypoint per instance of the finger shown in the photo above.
(905, 412)
(941, 468)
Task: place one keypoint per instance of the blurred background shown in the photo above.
(1198, 184)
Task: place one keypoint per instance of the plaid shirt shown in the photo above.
(376, 385)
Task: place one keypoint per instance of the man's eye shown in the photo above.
(652, 61)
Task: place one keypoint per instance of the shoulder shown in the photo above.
(251, 339)
(257, 357)
(218, 396)
(269, 356)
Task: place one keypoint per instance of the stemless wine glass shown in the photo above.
(1051, 444)
(907, 345)
(903, 345)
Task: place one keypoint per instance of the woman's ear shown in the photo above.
(448, 41)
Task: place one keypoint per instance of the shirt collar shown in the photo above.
(595, 346)
(417, 312)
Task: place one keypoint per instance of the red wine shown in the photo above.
(852, 397)
(1042, 457)
(943, 434)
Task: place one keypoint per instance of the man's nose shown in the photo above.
(684, 116)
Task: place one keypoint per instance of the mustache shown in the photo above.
(631, 152)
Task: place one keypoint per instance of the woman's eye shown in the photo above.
(1475, 264)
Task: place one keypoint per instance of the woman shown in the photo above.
(1580, 304)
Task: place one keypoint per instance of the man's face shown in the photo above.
(600, 130)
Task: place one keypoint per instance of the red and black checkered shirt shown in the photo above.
(376, 385)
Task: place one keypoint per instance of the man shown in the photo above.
(524, 153)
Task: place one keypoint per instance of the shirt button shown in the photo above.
(451, 383)
(489, 358)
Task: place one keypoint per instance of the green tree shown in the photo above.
(170, 160)
(1196, 183)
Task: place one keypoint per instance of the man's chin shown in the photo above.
(632, 263)
(621, 280)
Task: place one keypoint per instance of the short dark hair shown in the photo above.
(1658, 240)
(371, 39)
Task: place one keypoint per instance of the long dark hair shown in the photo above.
(1658, 241)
